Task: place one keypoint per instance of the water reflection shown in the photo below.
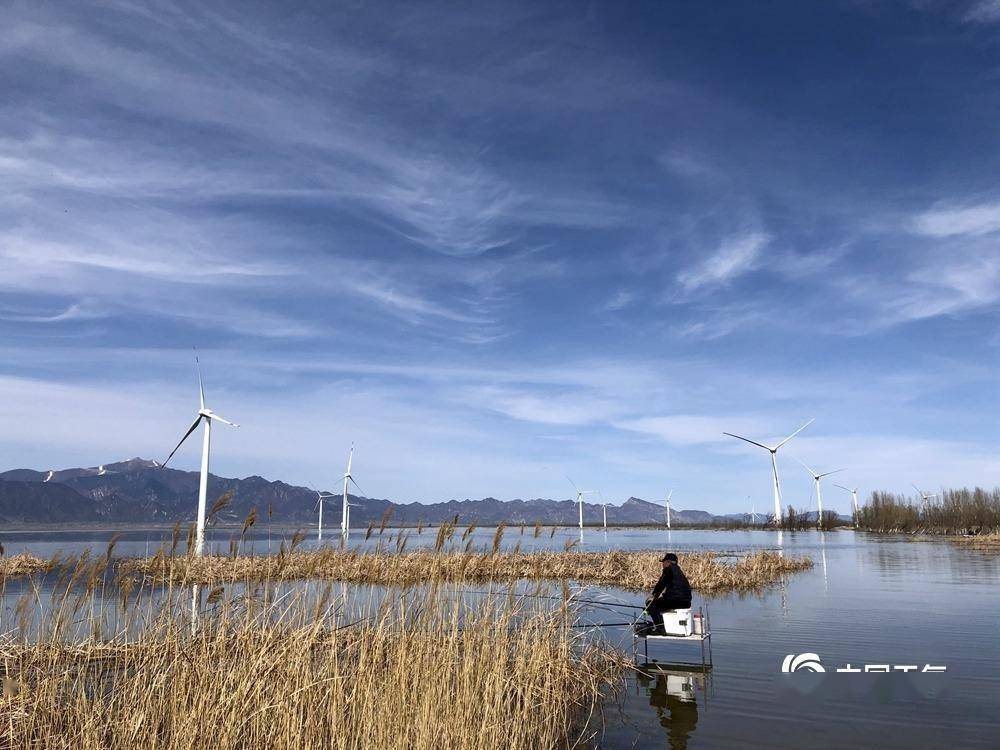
(673, 692)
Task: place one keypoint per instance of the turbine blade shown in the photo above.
(919, 491)
(835, 471)
(794, 433)
(572, 483)
(748, 440)
(223, 420)
(191, 429)
(845, 489)
(811, 472)
(201, 384)
(357, 485)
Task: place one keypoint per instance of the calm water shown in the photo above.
(868, 601)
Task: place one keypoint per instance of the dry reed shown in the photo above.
(707, 571)
(981, 541)
(271, 669)
(23, 564)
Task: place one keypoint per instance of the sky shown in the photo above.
(499, 245)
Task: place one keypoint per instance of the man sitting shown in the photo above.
(672, 591)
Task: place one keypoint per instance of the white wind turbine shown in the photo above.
(579, 499)
(819, 495)
(207, 416)
(925, 496)
(854, 500)
(320, 497)
(604, 508)
(345, 520)
(774, 465)
(667, 503)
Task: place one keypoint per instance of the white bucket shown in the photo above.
(677, 622)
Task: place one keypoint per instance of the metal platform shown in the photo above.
(704, 639)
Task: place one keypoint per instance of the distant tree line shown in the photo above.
(963, 511)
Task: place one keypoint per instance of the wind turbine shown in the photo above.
(854, 501)
(604, 508)
(320, 497)
(819, 495)
(925, 496)
(207, 416)
(346, 507)
(753, 512)
(774, 465)
(579, 499)
(667, 503)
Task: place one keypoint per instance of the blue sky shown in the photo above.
(497, 245)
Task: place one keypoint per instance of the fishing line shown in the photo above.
(560, 598)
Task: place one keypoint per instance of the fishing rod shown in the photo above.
(543, 596)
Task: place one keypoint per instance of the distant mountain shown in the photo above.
(139, 491)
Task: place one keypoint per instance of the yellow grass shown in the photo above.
(23, 564)
(707, 571)
(981, 541)
(435, 672)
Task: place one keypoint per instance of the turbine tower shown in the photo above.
(667, 503)
(207, 416)
(819, 495)
(320, 497)
(854, 501)
(579, 499)
(774, 465)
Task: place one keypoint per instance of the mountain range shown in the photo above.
(139, 491)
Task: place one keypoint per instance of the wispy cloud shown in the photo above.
(983, 11)
(735, 257)
(619, 300)
(693, 429)
(951, 221)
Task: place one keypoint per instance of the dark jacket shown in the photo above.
(672, 589)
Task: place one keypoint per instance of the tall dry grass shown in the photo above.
(272, 667)
(707, 571)
(24, 564)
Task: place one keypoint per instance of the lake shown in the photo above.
(875, 601)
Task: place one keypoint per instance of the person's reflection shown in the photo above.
(672, 695)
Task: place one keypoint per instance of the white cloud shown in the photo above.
(942, 221)
(546, 408)
(694, 429)
(619, 301)
(983, 11)
(735, 256)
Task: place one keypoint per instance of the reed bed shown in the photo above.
(980, 541)
(23, 564)
(963, 511)
(707, 571)
(281, 669)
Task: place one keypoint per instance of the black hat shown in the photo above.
(669, 556)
